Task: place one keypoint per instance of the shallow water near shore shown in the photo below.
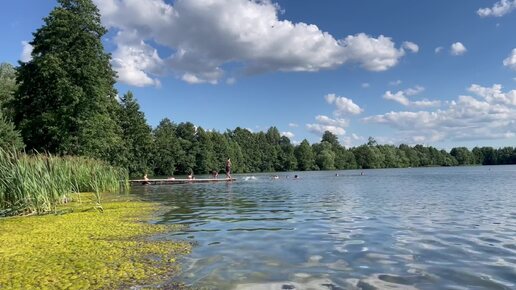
(416, 228)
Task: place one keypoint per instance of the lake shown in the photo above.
(415, 228)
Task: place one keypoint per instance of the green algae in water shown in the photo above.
(85, 249)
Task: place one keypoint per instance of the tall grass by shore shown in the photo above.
(37, 183)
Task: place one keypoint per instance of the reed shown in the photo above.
(37, 183)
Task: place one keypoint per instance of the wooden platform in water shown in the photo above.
(178, 181)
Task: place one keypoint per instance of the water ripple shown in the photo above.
(433, 228)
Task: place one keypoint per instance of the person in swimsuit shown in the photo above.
(228, 168)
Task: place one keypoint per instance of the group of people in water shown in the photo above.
(214, 174)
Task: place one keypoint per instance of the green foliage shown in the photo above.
(205, 155)
(186, 136)
(38, 183)
(324, 155)
(8, 87)
(65, 103)
(9, 137)
(166, 148)
(305, 156)
(463, 156)
(137, 134)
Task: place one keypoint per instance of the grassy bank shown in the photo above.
(86, 249)
(39, 183)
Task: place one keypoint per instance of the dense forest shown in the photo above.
(63, 102)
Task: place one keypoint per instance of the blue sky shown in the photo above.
(439, 73)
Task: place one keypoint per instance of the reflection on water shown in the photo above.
(438, 228)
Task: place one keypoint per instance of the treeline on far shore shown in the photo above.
(63, 102)
(125, 140)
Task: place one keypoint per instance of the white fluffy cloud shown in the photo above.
(26, 54)
(352, 140)
(205, 35)
(344, 105)
(402, 97)
(397, 97)
(489, 115)
(344, 108)
(499, 9)
(438, 49)
(135, 61)
(325, 123)
(293, 125)
(411, 46)
(288, 134)
(374, 54)
(510, 61)
(458, 48)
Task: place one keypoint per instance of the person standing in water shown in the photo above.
(228, 168)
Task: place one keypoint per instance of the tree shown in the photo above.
(166, 148)
(325, 157)
(221, 149)
(204, 158)
(65, 102)
(7, 88)
(137, 136)
(287, 157)
(186, 135)
(368, 156)
(463, 155)
(305, 156)
(331, 138)
(10, 139)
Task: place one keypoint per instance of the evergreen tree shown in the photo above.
(137, 136)
(8, 87)
(221, 150)
(325, 157)
(166, 148)
(65, 103)
(10, 139)
(186, 134)
(331, 138)
(287, 157)
(205, 158)
(305, 156)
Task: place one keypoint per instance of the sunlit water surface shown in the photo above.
(421, 228)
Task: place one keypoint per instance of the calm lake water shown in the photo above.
(421, 228)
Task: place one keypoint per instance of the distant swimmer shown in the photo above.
(362, 173)
(145, 180)
(296, 177)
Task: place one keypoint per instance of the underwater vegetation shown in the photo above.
(87, 249)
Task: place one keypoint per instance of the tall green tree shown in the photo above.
(137, 134)
(463, 155)
(186, 135)
(324, 155)
(287, 157)
(65, 103)
(8, 87)
(305, 156)
(10, 138)
(204, 156)
(166, 148)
